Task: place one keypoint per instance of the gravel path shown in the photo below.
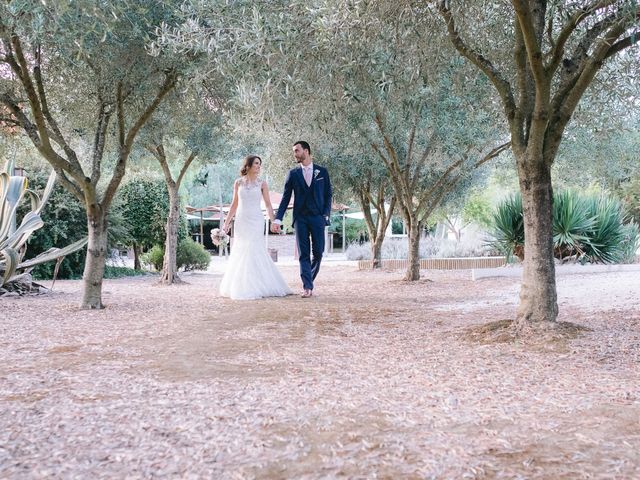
(371, 378)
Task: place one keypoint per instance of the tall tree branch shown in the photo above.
(396, 175)
(185, 166)
(412, 135)
(100, 140)
(423, 160)
(622, 44)
(398, 172)
(32, 95)
(69, 184)
(125, 148)
(120, 112)
(530, 36)
(485, 65)
(565, 105)
(21, 119)
(492, 154)
(53, 124)
(557, 51)
(426, 195)
(171, 78)
(524, 83)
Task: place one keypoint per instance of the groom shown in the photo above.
(311, 210)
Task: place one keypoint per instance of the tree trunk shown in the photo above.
(376, 252)
(136, 256)
(95, 260)
(413, 270)
(375, 238)
(538, 298)
(169, 266)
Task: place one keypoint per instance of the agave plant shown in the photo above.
(607, 239)
(573, 223)
(588, 228)
(13, 238)
(508, 231)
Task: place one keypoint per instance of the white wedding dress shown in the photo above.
(250, 272)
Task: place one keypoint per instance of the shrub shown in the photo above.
(111, 271)
(606, 239)
(154, 257)
(589, 228)
(508, 231)
(192, 256)
(573, 222)
(189, 256)
(355, 251)
(15, 269)
(66, 222)
(430, 247)
(144, 207)
(631, 199)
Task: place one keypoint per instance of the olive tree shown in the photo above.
(357, 174)
(540, 56)
(78, 79)
(145, 210)
(371, 66)
(187, 127)
(418, 111)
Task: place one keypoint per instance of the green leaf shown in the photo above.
(13, 190)
(9, 258)
(54, 253)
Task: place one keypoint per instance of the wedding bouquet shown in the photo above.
(219, 237)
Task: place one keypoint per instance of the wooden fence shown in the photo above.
(440, 263)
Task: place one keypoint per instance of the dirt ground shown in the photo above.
(370, 378)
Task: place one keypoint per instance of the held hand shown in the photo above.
(275, 227)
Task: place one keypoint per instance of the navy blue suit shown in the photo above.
(311, 213)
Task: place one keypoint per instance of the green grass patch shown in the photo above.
(120, 272)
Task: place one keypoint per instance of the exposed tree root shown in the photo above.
(551, 336)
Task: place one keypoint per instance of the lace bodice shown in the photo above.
(246, 184)
(249, 196)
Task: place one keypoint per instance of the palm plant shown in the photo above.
(607, 238)
(508, 231)
(573, 223)
(588, 228)
(13, 239)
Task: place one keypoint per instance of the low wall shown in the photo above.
(516, 270)
(466, 263)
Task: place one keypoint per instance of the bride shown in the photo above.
(250, 272)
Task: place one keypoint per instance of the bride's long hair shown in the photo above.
(248, 163)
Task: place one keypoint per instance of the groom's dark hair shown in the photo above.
(304, 145)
